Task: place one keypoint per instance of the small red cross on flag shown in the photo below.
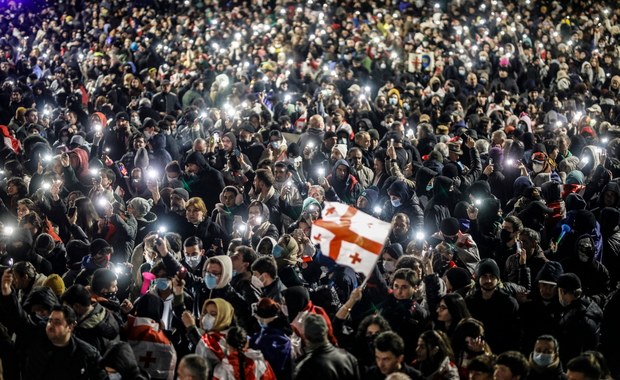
(350, 237)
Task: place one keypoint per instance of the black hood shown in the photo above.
(551, 191)
(338, 163)
(613, 187)
(198, 159)
(422, 177)
(42, 296)
(441, 189)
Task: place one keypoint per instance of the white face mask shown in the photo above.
(257, 282)
(537, 168)
(207, 322)
(193, 261)
(389, 266)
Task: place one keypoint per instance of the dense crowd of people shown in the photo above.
(163, 163)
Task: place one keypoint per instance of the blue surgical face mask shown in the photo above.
(275, 144)
(115, 376)
(277, 251)
(161, 284)
(542, 360)
(210, 281)
(396, 202)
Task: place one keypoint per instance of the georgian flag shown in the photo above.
(350, 237)
(153, 350)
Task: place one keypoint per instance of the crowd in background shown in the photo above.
(163, 162)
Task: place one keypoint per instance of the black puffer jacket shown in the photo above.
(327, 362)
(579, 328)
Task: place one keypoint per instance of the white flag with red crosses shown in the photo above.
(350, 237)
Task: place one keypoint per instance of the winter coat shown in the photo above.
(538, 318)
(98, 328)
(205, 230)
(347, 190)
(499, 315)
(553, 372)
(579, 328)
(277, 349)
(594, 277)
(438, 207)
(121, 234)
(408, 319)
(410, 205)
(374, 373)
(207, 184)
(78, 360)
(446, 371)
(327, 362)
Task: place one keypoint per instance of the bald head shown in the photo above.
(316, 122)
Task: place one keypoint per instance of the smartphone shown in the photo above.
(71, 212)
(121, 168)
(237, 219)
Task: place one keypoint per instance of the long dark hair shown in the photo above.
(457, 308)
(87, 216)
(435, 339)
(237, 338)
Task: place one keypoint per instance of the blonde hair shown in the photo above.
(198, 203)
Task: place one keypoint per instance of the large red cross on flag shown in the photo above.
(350, 237)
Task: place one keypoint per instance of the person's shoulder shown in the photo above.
(411, 372)
(83, 348)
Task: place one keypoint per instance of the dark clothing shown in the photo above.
(499, 316)
(408, 319)
(274, 291)
(579, 328)
(347, 190)
(538, 318)
(594, 278)
(375, 374)
(98, 328)
(327, 362)
(206, 230)
(43, 360)
(276, 346)
(549, 373)
(610, 333)
(242, 283)
(166, 102)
